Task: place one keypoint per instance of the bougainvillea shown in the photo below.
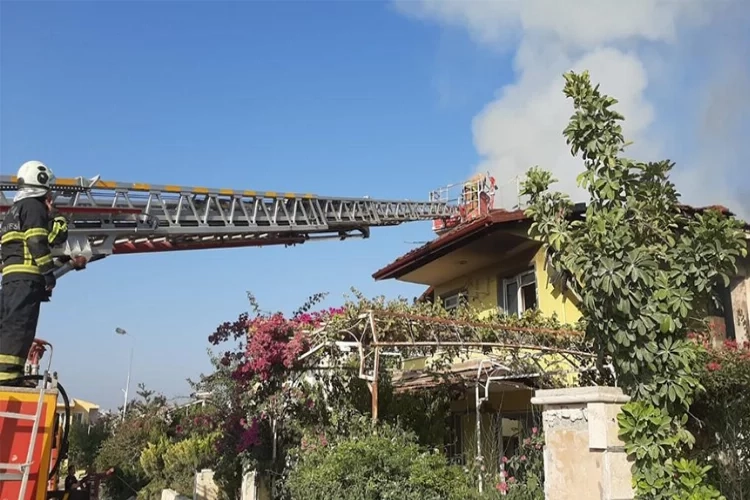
(523, 477)
(260, 386)
(721, 417)
(270, 344)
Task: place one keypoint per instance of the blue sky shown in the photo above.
(334, 98)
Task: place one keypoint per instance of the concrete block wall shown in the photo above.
(584, 459)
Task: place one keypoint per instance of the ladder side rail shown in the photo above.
(32, 439)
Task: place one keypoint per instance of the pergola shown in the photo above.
(510, 352)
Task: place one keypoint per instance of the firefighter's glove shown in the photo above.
(49, 281)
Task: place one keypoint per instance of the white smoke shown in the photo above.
(635, 50)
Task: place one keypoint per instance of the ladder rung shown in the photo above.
(17, 416)
(13, 466)
(11, 477)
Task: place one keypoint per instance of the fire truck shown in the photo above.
(112, 218)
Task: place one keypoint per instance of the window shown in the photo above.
(453, 300)
(518, 294)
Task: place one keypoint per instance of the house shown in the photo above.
(491, 263)
(81, 412)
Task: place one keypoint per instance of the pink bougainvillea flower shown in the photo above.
(713, 366)
(731, 344)
(502, 487)
(250, 437)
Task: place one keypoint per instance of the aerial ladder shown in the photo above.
(108, 218)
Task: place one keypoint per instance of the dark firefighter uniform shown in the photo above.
(27, 266)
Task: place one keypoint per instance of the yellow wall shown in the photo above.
(481, 287)
(551, 300)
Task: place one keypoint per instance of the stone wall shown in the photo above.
(584, 459)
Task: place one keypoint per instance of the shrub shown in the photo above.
(385, 464)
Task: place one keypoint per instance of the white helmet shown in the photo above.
(35, 174)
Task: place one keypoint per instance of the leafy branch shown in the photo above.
(645, 268)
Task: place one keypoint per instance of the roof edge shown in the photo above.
(413, 259)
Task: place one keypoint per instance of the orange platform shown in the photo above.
(16, 434)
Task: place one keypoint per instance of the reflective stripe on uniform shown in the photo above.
(20, 268)
(30, 265)
(59, 225)
(44, 260)
(12, 236)
(5, 376)
(35, 232)
(7, 359)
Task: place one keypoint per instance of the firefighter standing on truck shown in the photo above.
(26, 234)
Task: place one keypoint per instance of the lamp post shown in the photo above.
(122, 331)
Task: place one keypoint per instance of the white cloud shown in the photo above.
(625, 45)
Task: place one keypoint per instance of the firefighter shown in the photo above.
(27, 278)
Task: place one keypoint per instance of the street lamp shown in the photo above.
(122, 331)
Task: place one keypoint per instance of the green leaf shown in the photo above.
(667, 324)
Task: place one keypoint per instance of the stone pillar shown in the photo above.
(172, 495)
(739, 290)
(205, 487)
(583, 457)
(255, 487)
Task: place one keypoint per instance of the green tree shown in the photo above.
(644, 268)
(85, 442)
(144, 423)
(188, 446)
